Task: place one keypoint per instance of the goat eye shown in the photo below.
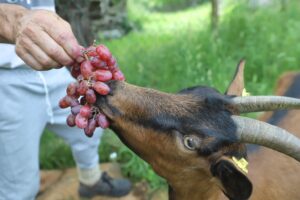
(191, 142)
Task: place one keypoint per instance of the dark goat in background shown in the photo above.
(196, 140)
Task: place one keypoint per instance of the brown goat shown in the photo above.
(275, 175)
(195, 142)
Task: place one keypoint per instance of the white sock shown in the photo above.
(89, 176)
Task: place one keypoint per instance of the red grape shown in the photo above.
(75, 71)
(86, 111)
(103, 52)
(102, 75)
(102, 120)
(113, 68)
(86, 69)
(118, 75)
(101, 88)
(91, 51)
(74, 102)
(63, 103)
(83, 87)
(97, 63)
(111, 62)
(72, 89)
(75, 109)
(81, 122)
(90, 96)
(71, 120)
(89, 130)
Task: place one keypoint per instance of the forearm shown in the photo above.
(43, 40)
(9, 18)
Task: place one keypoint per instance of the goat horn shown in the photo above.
(261, 133)
(265, 103)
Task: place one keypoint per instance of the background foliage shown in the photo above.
(173, 50)
(170, 5)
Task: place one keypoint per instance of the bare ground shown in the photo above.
(63, 185)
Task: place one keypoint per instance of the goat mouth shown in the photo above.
(104, 107)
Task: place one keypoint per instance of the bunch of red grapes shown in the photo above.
(97, 67)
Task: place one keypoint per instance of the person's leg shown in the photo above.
(22, 120)
(85, 149)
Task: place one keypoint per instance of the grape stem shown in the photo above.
(85, 56)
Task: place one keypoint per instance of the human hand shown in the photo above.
(44, 40)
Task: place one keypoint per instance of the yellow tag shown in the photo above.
(245, 93)
(242, 164)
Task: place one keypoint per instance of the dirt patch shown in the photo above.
(63, 185)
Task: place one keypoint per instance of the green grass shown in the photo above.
(175, 50)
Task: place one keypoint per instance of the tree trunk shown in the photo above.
(215, 16)
(90, 17)
(284, 4)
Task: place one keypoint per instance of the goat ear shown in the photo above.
(236, 86)
(235, 183)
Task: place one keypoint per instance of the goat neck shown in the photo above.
(195, 188)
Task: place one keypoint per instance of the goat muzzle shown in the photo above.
(103, 101)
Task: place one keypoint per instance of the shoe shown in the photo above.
(106, 186)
